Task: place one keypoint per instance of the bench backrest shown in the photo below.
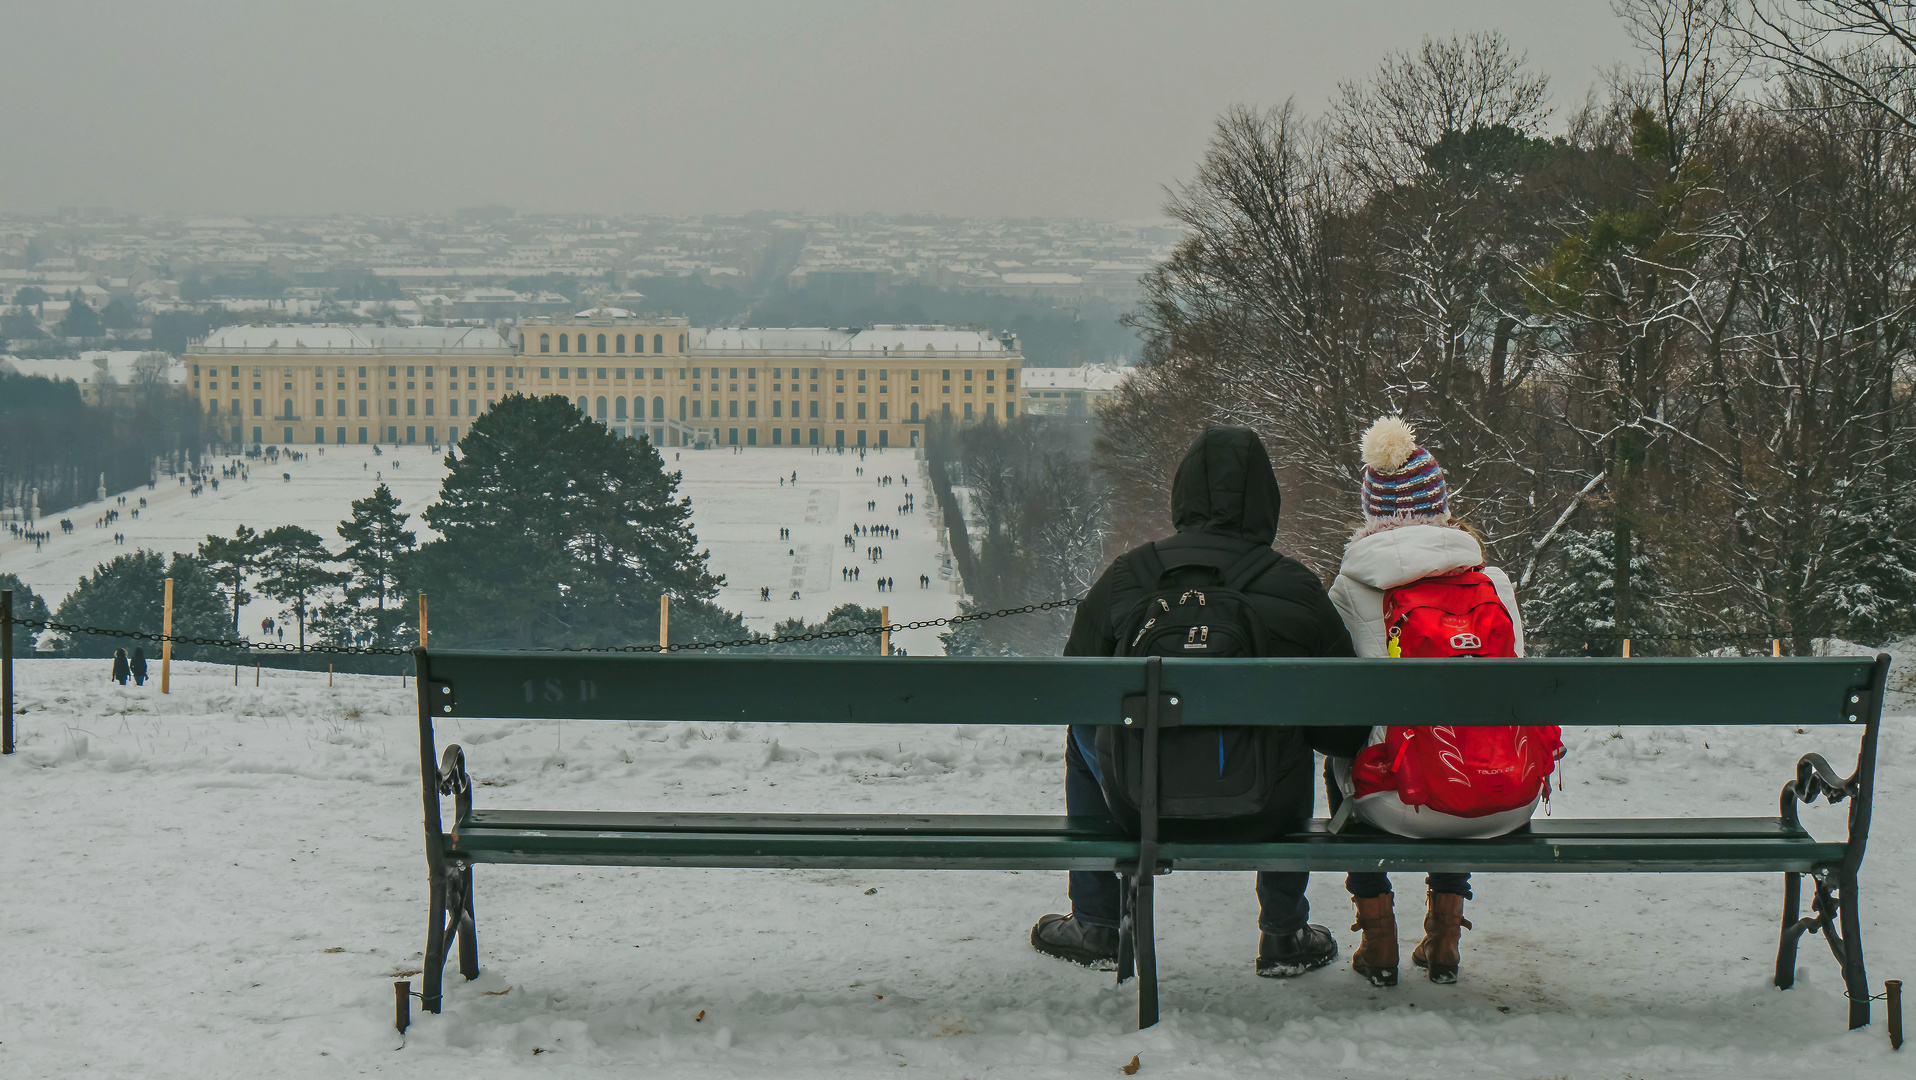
(1054, 690)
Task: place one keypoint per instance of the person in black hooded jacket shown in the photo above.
(1224, 504)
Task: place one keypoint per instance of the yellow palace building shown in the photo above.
(639, 375)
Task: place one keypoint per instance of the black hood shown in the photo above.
(1225, 487)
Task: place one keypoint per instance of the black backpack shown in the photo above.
(1196, 606)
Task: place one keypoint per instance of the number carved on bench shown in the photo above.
(554, 690)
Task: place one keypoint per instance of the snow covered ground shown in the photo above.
(738, 506)
(225, 882)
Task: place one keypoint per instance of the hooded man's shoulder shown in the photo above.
(1291, 580)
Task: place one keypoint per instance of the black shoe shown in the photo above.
(1068, 938)
(1293, 954)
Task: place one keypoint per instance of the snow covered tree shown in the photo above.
(1574, 601)
(26, 605)
(231, 562)
(295, 570)
(378, 545)
(1869, 589)
(129, 593)
(842, 617)
(554, 532)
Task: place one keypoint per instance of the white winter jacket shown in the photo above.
(1397, 556)
(1372, 565)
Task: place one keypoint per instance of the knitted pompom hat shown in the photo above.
(1402, 482)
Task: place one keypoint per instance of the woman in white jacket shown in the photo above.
(1407, 534)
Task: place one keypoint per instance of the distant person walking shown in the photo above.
(138, 666)
(119, 666)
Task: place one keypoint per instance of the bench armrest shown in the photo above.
(454, 781)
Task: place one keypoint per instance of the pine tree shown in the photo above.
(555, 532)
(129, 593)
(231, 562)
(842, 617)
(378, 545)
(295, 570)
(26, 605)
(1869, 593)
(1573, 605)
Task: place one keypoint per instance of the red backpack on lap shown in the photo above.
(1466, 772)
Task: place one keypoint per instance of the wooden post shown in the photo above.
(1776, 646)
(329, 675)
(422, 620)
(166, 647)
(665, 619)
(884, 636)
(256, 673)
(1626, 648)
(1893, 990)
(6, 671)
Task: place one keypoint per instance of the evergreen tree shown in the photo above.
(842, 617)
(129, 593)
(26, 605)
(554, 532)
(231, 562)
(1574, 601)
(1869, 593)
(81, 321)
(378, 545)
(294, 570)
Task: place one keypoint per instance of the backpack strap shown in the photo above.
(1240, 574)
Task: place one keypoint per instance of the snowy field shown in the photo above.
(738, 507)
(225, 882)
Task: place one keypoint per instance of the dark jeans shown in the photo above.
(1094, 893)
(1365, 884)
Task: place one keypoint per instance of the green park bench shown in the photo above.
(1150, 694)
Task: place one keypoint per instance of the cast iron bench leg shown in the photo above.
(452, 916)
(1147, 950)
(1793, 927)
(1855, 980)
(435, 961)
(468, 940)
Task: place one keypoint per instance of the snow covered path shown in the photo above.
(225, 882)
(738, 507)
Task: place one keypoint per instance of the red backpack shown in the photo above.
(1461, 771)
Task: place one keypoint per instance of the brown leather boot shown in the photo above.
(1376, 956)
(1444, 924)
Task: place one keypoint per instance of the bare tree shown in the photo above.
(1381, 126)
(1864, 51)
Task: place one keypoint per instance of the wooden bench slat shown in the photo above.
(1055, 825)
(1517, 853)
(1086, 690)
(889, 824)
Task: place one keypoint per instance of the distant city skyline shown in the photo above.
(980, 109)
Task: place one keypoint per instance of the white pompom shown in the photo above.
(1388, 444)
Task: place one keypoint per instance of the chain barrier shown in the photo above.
(685, 646)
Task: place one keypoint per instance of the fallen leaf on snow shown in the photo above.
(871, 890)
(1131, 1069)
(496, 993)
(333, 949)
(403, 974)
(699, 1017)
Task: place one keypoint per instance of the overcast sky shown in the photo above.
(1029, 108)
